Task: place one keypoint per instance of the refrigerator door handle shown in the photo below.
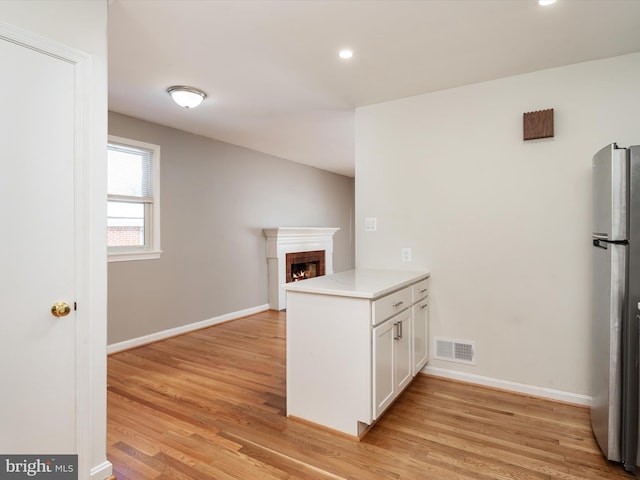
(599, 244)
(601, 241)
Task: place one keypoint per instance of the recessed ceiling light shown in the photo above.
(546, 3)
(345, 53)
(187, 97)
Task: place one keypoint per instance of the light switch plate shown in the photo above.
(370, 224)
(406, 254)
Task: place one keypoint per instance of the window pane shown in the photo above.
(125, 224)
(129, 171)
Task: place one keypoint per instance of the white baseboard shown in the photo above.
(172, 332)
(102, 471)
(533, 390)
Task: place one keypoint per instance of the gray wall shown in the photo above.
(215, 200)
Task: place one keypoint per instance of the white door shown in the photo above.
(38, 151)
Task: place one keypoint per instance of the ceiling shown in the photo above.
(275, 83)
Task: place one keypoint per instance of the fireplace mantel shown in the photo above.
(283, 240)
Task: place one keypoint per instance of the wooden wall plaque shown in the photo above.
(537, 124)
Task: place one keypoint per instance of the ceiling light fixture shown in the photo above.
(187, 97)
(546, 3)
(345, 54)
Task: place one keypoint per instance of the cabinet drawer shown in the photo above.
(391, 304)
(420, 290)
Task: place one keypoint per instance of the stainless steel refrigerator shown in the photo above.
(616, 297)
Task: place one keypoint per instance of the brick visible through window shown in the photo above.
(124, 236)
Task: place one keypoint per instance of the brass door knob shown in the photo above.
(60, 309)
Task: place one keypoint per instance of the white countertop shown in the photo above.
(358, 283)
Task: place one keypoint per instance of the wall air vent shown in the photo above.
(461, 351)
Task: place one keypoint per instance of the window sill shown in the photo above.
(130, 256)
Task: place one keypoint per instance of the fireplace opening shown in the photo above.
(300, 271)
(303, 265)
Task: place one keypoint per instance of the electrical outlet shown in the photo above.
(406, 254)
(370, 224)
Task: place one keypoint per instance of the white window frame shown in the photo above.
(151, 250)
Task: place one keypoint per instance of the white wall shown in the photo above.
(82, 25)
(503, 225)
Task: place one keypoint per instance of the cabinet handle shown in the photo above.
(422, 307)
(397, 331)
(400, 328)
(423, 290)
(396, 305)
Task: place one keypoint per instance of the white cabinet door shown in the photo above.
(420, 335)
(392, 369)
(383, 378)
(402, 367)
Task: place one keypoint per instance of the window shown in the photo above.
(133, 203)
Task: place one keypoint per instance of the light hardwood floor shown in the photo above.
(211, 405)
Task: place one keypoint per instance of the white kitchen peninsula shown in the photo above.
(354, 341)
